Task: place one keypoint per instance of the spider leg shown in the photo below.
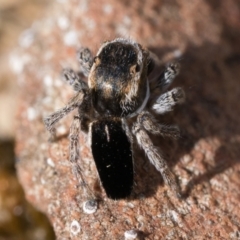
(73, 79)
(53, 118)
(85, 59)
(166, 102)
(150, 124)
(156, 158)
(165, 79)
(75, 156)
(168, 75)
(74, 140)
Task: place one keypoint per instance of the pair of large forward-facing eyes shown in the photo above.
(133, 69)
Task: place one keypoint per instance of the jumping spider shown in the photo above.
(118, 89)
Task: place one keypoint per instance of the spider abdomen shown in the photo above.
(112, 154)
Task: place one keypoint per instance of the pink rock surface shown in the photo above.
(206, 36)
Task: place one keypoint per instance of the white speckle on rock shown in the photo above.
(186, 159)
(131, 205)
(62, 130)
(123, 30)
(48, 81)
(184, 181)
(31, 113)
(176, 218)
(63, 22)
(127, 20)
(47, 100)
(71, 38)
(177, 53)
(89, 23)
(83, 6)
(50, 162)
(131, 234)
(17, 62)
(90, 206)
(26, 38)
(107, 8)
(174, 215)
(43, 181)
(75, 227)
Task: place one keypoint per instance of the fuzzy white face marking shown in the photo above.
(132, 92)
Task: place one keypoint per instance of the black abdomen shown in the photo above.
(112, 153)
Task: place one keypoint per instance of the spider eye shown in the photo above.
(138, 68)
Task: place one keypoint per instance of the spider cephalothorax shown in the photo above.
(118, 89)
(118, 78)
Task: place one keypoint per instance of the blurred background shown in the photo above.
(18, 219)
(208, 34)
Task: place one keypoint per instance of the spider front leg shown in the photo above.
(166, 101)
(156, 158)
(73, 79)
(168, 75)
(85, 59)
(52, 119)
(165, 79)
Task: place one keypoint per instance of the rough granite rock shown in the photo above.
(205, 35)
